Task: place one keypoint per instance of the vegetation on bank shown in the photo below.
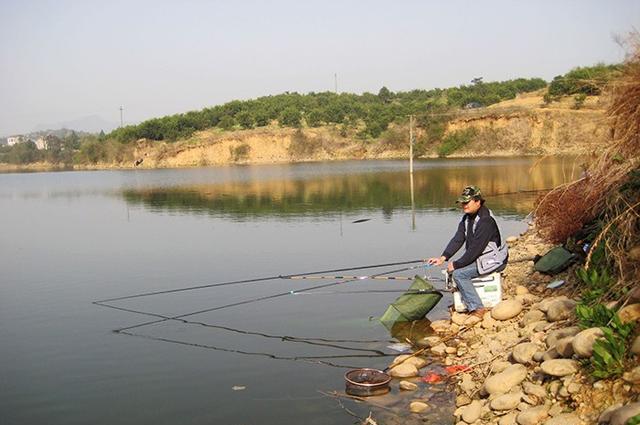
(599, 216)
(369, 117)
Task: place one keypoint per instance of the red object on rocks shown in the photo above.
(456, 368)
(431, 378)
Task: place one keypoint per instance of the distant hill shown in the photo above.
(88, 124)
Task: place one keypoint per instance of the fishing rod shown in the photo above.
(351, 277)
(378, 291)
(255, 280)
(249, 301)
(301, 277)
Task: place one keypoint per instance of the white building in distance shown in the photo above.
(14, 140)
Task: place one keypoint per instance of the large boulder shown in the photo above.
(504, 381)
(555, 335)
(583, 342)
(523, 353)
(506, 310)
(560, 310)
(559, 367)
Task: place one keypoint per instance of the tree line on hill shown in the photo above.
(367, 116)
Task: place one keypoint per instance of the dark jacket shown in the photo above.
(486, 230)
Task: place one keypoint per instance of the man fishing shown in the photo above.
(484, 250)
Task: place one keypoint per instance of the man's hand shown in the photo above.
(450, 267)
(436, 261)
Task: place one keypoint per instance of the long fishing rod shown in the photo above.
(350, 277)
(249, 301)
(255, 280)
(378, 291)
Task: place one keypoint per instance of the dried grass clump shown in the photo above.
(607, 191)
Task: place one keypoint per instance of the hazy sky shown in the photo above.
(62, 60)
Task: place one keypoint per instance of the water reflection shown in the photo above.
(510, 184)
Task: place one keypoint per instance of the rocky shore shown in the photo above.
(524, 361)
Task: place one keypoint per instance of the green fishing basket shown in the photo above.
(412, 305)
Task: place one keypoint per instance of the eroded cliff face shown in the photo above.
(536, 131)
(523, 126)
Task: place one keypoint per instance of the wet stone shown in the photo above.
(418, 407)
(404, 370)
(407, 386)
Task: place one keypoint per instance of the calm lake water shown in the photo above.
(71, 238)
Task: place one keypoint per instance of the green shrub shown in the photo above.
(302, 146)
(240, 152)
(455, 141)
(588, 80)
(608, 355)
(290, 117)
(578, 100)
(597, 283)
(610, 352)
(227, 122)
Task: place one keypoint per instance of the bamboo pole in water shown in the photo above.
(413, 206)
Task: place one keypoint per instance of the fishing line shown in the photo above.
(251, 300)
(308, 359)
(312, 341)
(255, 280)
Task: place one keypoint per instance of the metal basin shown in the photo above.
(366, 382)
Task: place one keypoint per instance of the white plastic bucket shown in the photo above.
(489, 289)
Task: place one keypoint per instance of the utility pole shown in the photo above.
(335, 80)
(121, 120)
(413, 205)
